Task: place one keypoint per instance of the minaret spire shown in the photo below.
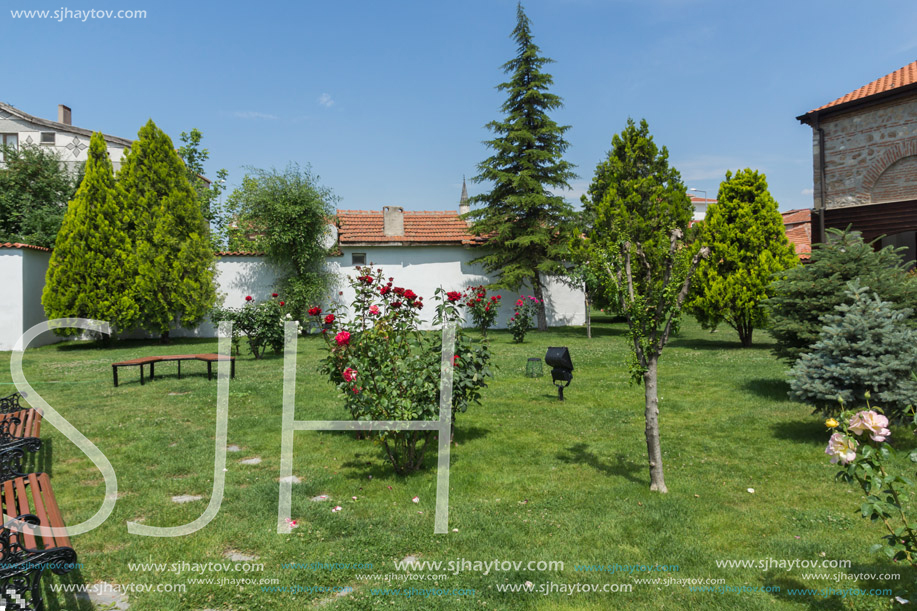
(464, 206)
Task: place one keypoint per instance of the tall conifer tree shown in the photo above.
(526, 226)
(92, 270)
(175, 264)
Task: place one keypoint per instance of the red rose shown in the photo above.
(315, 311)
(281, 303)
(409, 294)
(342, 338)
(273, 294)
(453, 296)
(455, 360)
(329, 319)
(248, 298)
(396, 304)
(385, 290)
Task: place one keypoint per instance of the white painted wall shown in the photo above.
(425, 268)
(22, 276)
(420, 268)
(72, 148)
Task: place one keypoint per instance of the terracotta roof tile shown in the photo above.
(420, 227)
(899, 78)
(24, 246)
(238, 253)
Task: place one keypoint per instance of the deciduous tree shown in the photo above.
(636, 247)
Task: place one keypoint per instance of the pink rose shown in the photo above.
(374, 310)
(871, 422)
(841, 448)
(350, 374)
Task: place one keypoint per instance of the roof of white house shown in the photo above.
(60, 127)
(420, 228)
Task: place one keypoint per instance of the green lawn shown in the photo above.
(531, 479)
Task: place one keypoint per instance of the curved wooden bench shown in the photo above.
(31, 549)
(152, 360)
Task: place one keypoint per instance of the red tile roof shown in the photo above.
(890, 82)
(798, 226)
(365, 226)
(24, 246)
(238, 253)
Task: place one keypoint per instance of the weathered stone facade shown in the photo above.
(870, 155)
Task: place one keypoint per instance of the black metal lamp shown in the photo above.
(562, 369)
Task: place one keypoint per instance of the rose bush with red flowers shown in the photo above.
(523, 317)
(398, 364)
(483, 310)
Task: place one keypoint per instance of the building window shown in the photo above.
(358, 258)
(48, 138)
(8, 141)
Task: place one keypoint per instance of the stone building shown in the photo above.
(865, 160)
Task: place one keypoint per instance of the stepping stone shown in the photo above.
(251, 461)
(233, 448)
(238, 556)
(108, 598)
(320, 498)
(290, 478)
(185, 498)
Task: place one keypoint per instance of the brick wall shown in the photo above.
(870, 155)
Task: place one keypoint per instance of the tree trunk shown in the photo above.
(164, 338)
(539, 295)
(745, 331)
(654, 450)
(588, 316)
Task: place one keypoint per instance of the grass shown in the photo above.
(531, 479)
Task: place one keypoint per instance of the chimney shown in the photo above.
(392, 221)
(63, 114)
(464, 206)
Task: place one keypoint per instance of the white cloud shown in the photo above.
(808, 191)
(326, 100)
(252, 114)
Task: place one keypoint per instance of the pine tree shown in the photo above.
(92, 270)
(748, 245)
(527, 228)
(808, 292)
(175, 264)
(864, 346)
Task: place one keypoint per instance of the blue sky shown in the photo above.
(388, 100)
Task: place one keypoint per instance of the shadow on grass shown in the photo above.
(721, 343)
(580, 454)
(58, 601)
(775, 389)
(801, 431)
(126, 344)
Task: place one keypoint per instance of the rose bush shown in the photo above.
(860, 445)
(387, 369)
(483, 308)
(261, 324)
(523, 316)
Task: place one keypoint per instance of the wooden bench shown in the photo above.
(31, 549)
(152, 360)
(19, 426)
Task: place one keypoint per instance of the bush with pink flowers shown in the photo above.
(860, 444)
(387, 369)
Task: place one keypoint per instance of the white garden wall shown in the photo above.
(420, 268)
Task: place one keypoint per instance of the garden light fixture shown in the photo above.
(562, 369)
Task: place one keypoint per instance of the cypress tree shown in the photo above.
(748, 245)
(91, 272)
(526, 226)
(175, 264)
